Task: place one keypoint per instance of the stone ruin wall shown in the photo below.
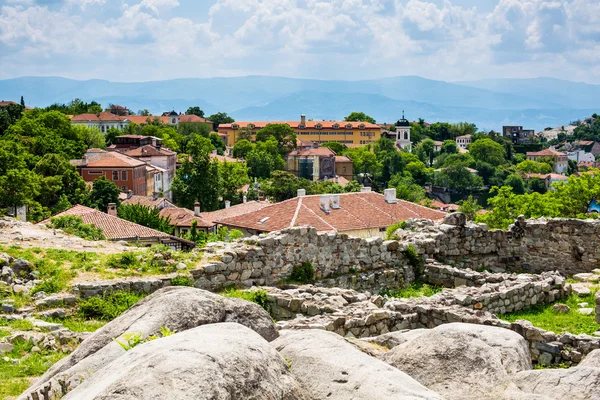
(565, 245)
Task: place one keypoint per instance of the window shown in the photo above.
(174, 120)
(406, 135)
(95, 173)
(336, 126)
(123, 175)
(115, 175)
(124, 188)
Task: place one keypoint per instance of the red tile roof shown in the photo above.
(103, 116)
(149, 151)
(308, 125)
(233, 211)
(342, 159)
(545, 153)
(318, 151)
(108, 159)
(148, 201)
(183, 217)
(586, 142)
(340, 181)
(141, 119)
(358, 211)
(114, 228)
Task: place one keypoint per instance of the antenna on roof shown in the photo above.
(402, 114)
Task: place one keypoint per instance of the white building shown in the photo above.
(103, 121)
(581, 156)
(463, 141)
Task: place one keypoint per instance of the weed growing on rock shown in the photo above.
(124, 260)
(304, 273)
(415, 289)
(182, 280)
(109, 306)
(390, 233)
(413, 257)
(134, 339)
(18, 324)
(258, 296)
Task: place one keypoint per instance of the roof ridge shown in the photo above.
(318, 216)
(293, 221)
(383, 211)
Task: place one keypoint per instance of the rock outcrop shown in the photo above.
(328, 367)
(176, 308)
(211, 362)
(463, 361)
(577, 383)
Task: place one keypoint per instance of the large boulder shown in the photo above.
(591, 360)
(329, 367)
(578, 383)
(176, 308)
(218, 362)
(463, 361)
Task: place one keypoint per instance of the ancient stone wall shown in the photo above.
(568, 246)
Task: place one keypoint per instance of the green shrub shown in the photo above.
(182, 280)
(126, 260)
(412, 256)
(50, 285)
(304, 273)
(258, 296)
(74, 225)
(109, 306)
(415, 289)
(390, 233)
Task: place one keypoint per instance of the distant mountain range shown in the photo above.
(532, 103)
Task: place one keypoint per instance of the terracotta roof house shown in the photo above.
(213, 217)
(561, 160)
(364, 214)
(115, 228)
(126, 172)
(148, 201)
(318, 163)
(182, 219)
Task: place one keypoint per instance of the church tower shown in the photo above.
(403, 133)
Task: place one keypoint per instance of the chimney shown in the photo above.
(337, 179)
(365, 189)
(154, 195)
(245, 199)
(129, 194)
(197, 209)
(390, 195)
(335, 201)
(324, 201)
(301, 193)
(303, 119)
(112, 209)
(227, 203)
(84, 160)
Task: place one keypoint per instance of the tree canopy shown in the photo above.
(357, 116)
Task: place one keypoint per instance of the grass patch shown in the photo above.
(542, 316)
(4, 333)
(413, 257)
(127, 260)
(415, 289)
(182, 280)
(108, 307)
(15, 378)
(77, 323)
(19, 324)
(258, 296)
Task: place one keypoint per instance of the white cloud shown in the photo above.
(155, 39)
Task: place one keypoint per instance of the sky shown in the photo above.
(452, 40)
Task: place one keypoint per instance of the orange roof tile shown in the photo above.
(308, 125)
(239, 209)
(545, 153)
(183, 217)
(114, 228)
(148, 201)
(149, 151)
(318, 151)
(358, 211)
(221, 158)
(108, 159)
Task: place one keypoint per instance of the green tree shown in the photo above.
(92, 137)
(283, 186)
(449, 147)
(326, 187)
(244, 134)
(103, 193)
(537, 185)
(9, 114)
(282, 133)
(220, 118)
(529, 167)
(111, 134)
(198, 179)
(145, 216)
(426, 151)
(18, 187)
(469, 207)
(234, 175)
(352, 187)
(357, 116)
(242, 148)
(57, 178)
(337, 147)
(195, 110)
(144, 112)
(406, 188)
(488, 151)
(217, 142)
(516, 183)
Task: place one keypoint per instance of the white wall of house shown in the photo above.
(581, 156)
(103, 126)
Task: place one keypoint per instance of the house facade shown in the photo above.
(518, 135)
(358, 133)
(561, 160)
(318, 163)
(463, 142)
(125, 172)
(164, 161)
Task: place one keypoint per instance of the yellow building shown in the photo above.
(357, 133)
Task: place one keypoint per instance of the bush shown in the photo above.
(125, 260)
(413, 258)
(390, 233)
(256, 296)
(304, 273)
(109, 306)
(182, 280)
(74, 225)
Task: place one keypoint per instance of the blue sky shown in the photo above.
(140, 40)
